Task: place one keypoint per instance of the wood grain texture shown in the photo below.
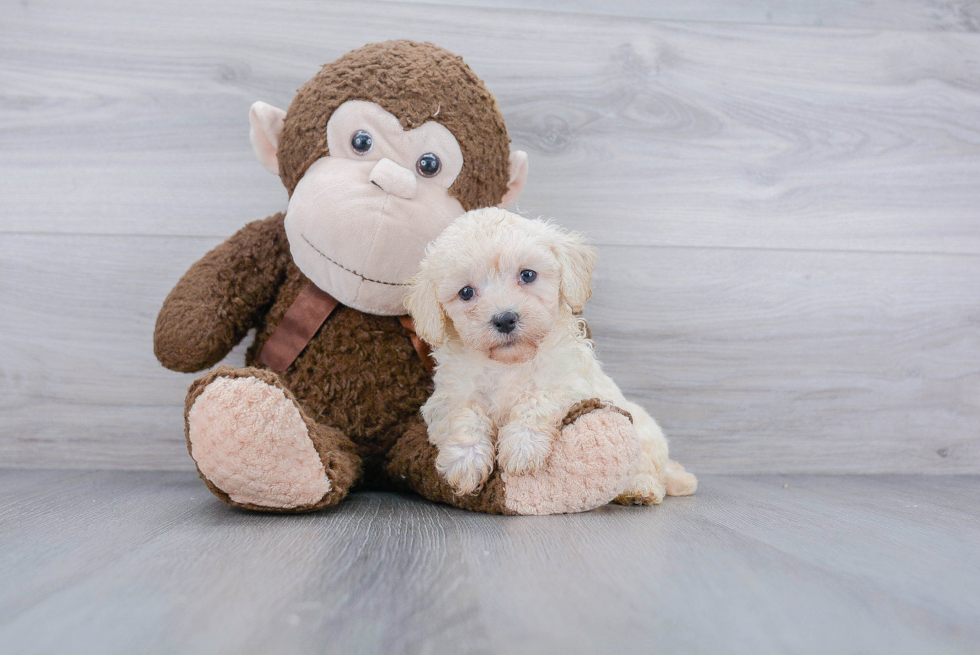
(81, 386)
(918, 15)
(754, 361)
(664, 133)
(126, 562)
(834, 362)
(787, 215)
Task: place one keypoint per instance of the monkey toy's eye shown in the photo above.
(428, 165)
(528, 276)
(466, 293)
(361, 142)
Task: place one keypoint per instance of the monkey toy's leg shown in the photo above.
(256, 448)
(591, 463)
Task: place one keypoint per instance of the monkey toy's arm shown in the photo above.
(222, 295)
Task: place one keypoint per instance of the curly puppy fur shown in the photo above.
(498, 295)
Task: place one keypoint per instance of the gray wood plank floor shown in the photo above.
(125, 562)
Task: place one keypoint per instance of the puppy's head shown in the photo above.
(500, 283)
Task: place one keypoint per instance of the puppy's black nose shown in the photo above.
(505, 322)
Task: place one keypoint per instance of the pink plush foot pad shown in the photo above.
(251, 442)
(592, 462)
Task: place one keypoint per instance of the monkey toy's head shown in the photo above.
(380, 151)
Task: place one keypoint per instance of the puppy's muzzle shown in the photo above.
(505, 322)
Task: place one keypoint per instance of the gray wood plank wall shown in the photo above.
(785, 195)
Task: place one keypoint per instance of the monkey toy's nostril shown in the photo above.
(505, 322)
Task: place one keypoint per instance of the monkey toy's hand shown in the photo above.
(219, 298)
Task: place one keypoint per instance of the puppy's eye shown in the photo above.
(528, 276)
(361, 142)
(466, 293)
(428, 165)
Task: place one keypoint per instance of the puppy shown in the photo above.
(498, 296)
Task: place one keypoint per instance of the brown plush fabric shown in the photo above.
(417, 82)
(583, 407)
(358, 383)
(359, 373)
(223, 295)
(412, 467)
(337, 453)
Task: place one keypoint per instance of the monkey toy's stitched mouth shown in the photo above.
(352, 272)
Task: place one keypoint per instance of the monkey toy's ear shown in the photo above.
(518, 176)
(266, 124)
(422, 303)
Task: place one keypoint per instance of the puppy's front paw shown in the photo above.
(521, 449)
(465, 466)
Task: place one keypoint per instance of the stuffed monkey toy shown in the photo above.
(379, 152)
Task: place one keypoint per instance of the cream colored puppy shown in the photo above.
(497, 297)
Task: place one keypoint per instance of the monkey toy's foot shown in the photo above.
(256, 448)
(591, 462)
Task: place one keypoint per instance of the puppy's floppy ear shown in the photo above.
(423, 304)
(576, 259)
